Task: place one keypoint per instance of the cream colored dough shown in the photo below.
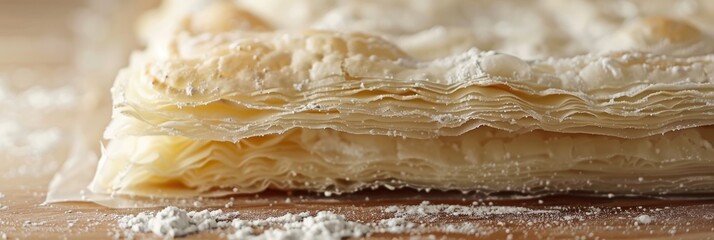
(243, 84)
(243, 96)
(483, 160)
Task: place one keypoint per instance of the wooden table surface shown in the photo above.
(589, 217)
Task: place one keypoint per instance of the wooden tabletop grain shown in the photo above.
(25, 217)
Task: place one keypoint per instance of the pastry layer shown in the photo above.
(482, 160)
(236, 85)
(427, 29)
(219, 101)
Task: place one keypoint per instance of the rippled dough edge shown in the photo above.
(484, 160)
(205, 80)
(242, 84)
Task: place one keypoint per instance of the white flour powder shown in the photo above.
(643, 219)
(174, 222)
(396, 225)
(426, 209)
(323, 225)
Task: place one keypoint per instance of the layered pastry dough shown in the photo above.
(485, 160)
(238, 85)
(222, 103)
(543, 28)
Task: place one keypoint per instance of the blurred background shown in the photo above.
(57, 62)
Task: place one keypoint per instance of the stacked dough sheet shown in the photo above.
(226, 99)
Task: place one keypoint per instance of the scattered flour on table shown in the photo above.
(431, 212)
(72, 222)
(426, 209)
(174, 222)
(643, 219)
(323, 225)
(2, 207)
(33, 224)
(396, 225)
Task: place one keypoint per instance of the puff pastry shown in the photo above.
(225, 104)
(485, 160)
(237, 85)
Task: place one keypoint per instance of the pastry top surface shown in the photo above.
(225, 66)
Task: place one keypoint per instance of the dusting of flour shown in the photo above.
(323, 225)
(426, 209)
(2, 207)
(175, 222)
(643, 219)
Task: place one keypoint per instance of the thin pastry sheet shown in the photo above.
(231, 86)
(483, 160)
(221, 103)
